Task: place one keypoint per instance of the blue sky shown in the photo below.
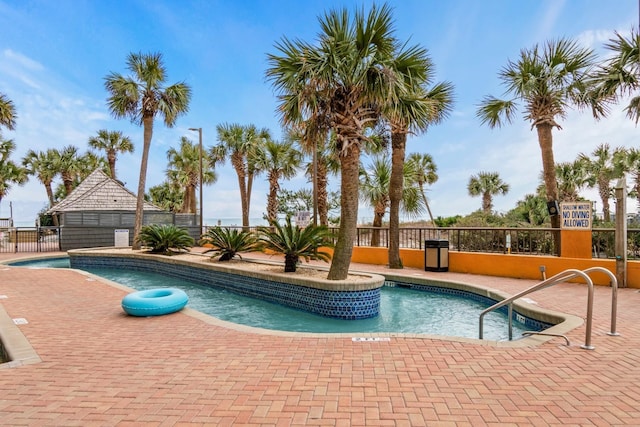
(54, 56)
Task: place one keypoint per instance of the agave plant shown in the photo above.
(165, 239)
(228, 242)
(295, 242)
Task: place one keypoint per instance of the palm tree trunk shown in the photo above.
(396, 185)
(272, 198)
(290, 263)
(377, 224)
(67, 181)
(193, 202)
(147, 123)
(111, 158)
(426, 203)
(545, 139)
(250, 176)
(321, 182)
(49, 191)
(604, 190)
(486, 202)
(186, 201)
(349, 167)
(238, 165)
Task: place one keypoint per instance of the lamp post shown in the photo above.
(200, 149)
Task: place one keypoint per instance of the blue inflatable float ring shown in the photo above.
(154, 302)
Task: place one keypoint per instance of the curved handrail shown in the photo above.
(559, 278)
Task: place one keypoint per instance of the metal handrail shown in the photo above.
(559, 278)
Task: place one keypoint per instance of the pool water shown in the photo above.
(402, 310)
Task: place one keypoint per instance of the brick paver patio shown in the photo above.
(100, 367)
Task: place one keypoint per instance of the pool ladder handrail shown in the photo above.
(560, 278)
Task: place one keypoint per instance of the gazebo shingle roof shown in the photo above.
(99, 192)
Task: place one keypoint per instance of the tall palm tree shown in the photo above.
(184, 171)
(600, 172)
(619, 76)
(424, 172)
(240, 143)
(42, 164)
(278, 160)
(141, 97)
(416, 108)
(375, 190)
(7, 112)
(10, 172)
(487, 185)
(343, 78)
(546, 80)
(112, 142)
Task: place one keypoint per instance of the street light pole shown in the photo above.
(201, 200)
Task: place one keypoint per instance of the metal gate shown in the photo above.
(29, 239)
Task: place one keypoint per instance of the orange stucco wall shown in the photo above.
(502, 265)
(575, 244)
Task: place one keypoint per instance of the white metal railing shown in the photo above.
(559, 278)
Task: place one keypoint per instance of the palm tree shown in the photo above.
(487, 185)
(184, 172)
(631, 164)
(342, 79)
(600, 171)
(42, 164)
(240, 143)
(167, 196)
(88, 163)
(416, 108)
(620, 75)
(68, 165)
(112, 142)
(572, 176)
(375, 182)
(10, 172)
(141, 97)
(534, 209)
(278, 160)
(319, 144)
(547, 81)
(226, 243)
(424, 172)
(295, 242)
(7, 112)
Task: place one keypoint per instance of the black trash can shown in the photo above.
(436, 255)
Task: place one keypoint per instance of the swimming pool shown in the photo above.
(402, 310)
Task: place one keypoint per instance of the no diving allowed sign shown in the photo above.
(576, 215)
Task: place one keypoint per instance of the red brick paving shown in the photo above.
(102, 368)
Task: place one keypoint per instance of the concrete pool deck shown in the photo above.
(99, 367)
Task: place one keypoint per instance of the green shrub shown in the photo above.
(227, 242)
(165, 239)
(295, 242)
